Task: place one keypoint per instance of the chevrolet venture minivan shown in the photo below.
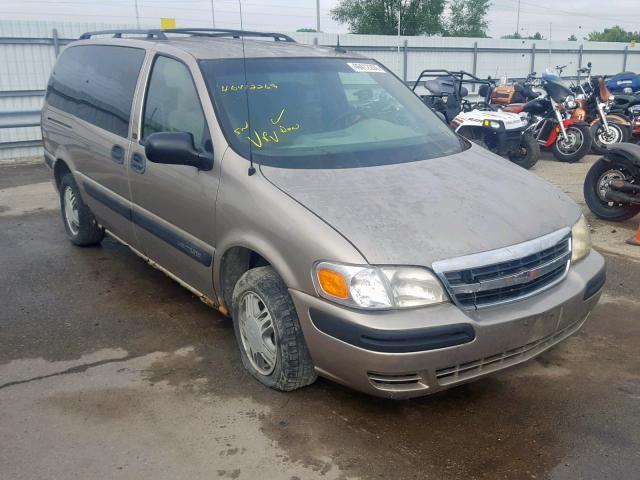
(311, 196)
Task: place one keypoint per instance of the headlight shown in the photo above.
(492, 123)
(580, 240)
(378, 287)
(570, 102)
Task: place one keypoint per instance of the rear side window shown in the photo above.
(96, 83)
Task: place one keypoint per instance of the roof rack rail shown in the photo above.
(153, 33)
(204, 32)
(224, 32)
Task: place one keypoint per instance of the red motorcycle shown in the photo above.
(552, 124)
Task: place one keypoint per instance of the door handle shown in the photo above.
(117, 154)
(138, 163)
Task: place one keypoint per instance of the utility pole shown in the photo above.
(550, 44)
(400, 4)
(317, 16)
(213, 16)
(135, 3)
(399, 19)
(518, 19)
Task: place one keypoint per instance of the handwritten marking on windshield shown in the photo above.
(260, 138)
(252, 86)
(275, 122)
(241, 129)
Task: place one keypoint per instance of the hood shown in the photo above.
(420, 212)
(477, 117)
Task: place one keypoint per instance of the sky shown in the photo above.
(552, 18)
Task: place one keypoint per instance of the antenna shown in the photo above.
(252, 169)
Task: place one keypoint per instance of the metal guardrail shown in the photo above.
(20, 144)
(20, 119)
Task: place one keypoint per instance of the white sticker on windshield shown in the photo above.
(366, 67)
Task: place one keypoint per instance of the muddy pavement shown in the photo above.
(108, 369)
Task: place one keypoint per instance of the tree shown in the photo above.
(417, 17)
(467, 18)
(517, 36)
(613, 34)
(514, 36)
(572, 38)
(309, 30)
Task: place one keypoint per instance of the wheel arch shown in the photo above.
(234, 258)
(60, 169)
(62, 165)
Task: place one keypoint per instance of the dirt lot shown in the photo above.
(108, 369)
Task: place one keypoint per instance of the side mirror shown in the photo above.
(176, 148)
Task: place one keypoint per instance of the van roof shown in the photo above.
(206, 44)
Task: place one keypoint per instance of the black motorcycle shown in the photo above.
(629, 107)
(612, 185)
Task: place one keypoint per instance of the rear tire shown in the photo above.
(268, 331)
(528, 153)
(595, 182)
(580, 140)
(80, 224)
(601, 139)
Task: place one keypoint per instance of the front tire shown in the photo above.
(602, 138)
(527, 154)
(578, 144)
(268, 331)
(80, 224)
(596, 185)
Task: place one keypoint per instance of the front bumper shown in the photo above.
(410, 353)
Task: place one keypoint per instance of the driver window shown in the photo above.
(172, 104)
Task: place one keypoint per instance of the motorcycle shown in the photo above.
(612, 185)
(628, 106)
(594, 105)
(502, 133)
(551, 122)
(624, 82)
(514, 92)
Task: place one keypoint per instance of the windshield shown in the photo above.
(323, 113)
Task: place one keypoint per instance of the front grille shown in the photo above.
(513, 135)
(467, 370)
(531, 271)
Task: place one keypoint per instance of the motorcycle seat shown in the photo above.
(514, 107)
(434, 87)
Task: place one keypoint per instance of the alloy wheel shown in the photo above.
(257, 333)
(609, 136)
(71, 211)
(603, 183)
(572, 144)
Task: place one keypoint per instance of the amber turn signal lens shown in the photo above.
(333, 283)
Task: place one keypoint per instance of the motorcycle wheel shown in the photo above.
(528, 152)
(596, 185)
(578, 143)
(602, 138)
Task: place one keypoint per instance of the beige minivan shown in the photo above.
(310, 195)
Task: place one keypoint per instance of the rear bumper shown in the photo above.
(403, 354)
